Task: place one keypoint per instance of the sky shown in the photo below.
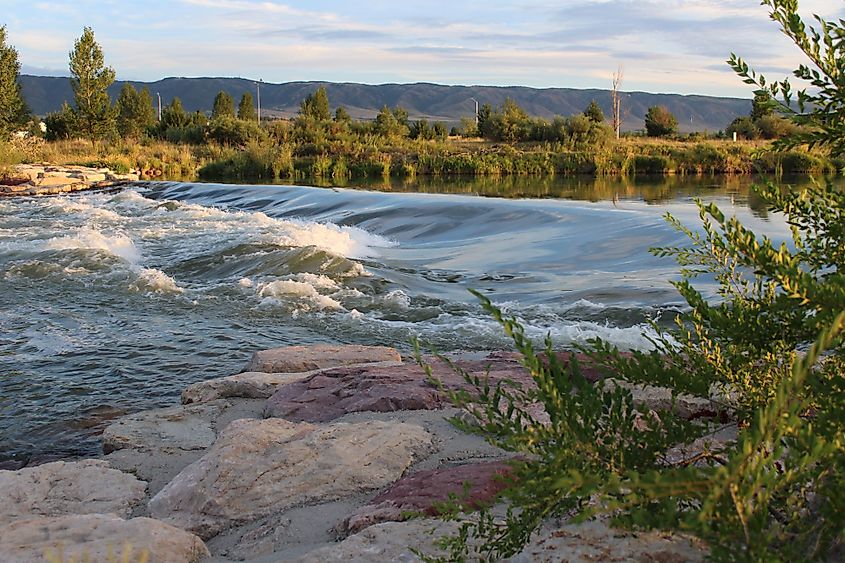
(674, 46)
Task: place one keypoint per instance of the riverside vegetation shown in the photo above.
(326, 146)
(770, 355)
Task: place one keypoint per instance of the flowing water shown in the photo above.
(114, 302)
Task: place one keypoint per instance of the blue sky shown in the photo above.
(662, 45)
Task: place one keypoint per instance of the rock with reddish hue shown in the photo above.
(331, 394)
(97, 537)
(172, 428)
(262, 467)
(249, 385)
(59, 488)
(470, 486)
(297, 359)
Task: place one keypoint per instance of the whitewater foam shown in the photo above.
(304, 295)
(155, 281)
(87, 238)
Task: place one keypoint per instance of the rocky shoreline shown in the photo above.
(315, 453)
(47, 179)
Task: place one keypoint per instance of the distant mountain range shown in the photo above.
(436, 102)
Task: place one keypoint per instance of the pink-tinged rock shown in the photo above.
(296, 359)
(97, 537)
(469, 486)
(334, 393)
(261, 467)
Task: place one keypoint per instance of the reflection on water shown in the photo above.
(650, 189)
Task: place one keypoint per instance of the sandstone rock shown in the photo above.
(60, 488)
(93, 177)
(660, 399)
(597, 541)
(97, 537)
(716, 443)
(172, 428)
(294, 359)
(260, 541)
(588, 542)
(261, 467)
(249, 385)
(471, 486)
(392, 541)
(333, 393)
(55, 181)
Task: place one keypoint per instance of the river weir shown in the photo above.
(112, 303)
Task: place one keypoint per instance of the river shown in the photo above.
(114, 302)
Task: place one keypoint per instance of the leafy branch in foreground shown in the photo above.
(822, 109)
(771, 345)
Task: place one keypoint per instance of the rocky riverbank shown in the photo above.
(46, 179)
(314, 453)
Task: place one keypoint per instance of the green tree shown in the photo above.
(510, 123)
(134, 111)
(660, 122)
(387, 125)
(762, 104)
(61, 124)
(246, 109)
(90, 80)
(13, 109)
(174, 115)
(401, 115)
(341, 115)
(224, 106)
(316, 105)
(594, 112)
(744, 127)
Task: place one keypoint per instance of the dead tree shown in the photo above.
(616, 102)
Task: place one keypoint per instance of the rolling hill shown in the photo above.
(45, 94)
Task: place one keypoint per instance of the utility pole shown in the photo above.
(476, 112)
(258, 98)
(159, 106)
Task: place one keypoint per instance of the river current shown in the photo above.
(114, 302)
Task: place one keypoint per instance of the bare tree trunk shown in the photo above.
(616, 102)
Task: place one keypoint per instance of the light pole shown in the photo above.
(159, 106)
(476, 112)
(258, 98)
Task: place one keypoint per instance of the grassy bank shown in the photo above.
(340, 160)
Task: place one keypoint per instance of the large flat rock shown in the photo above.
(294, 359)
(333, 393)
(173, 428)
(660, 399)
(97, 537)
(468, 486)
(249, 385)
(262, 467)
(391, 541)
(588, 542)
(61, 488)
(597, 541)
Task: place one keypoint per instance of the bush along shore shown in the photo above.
(312, 453)
(342, 161)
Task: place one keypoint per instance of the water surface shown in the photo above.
(114, 302)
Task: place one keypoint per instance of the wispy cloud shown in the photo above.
(665, 45)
